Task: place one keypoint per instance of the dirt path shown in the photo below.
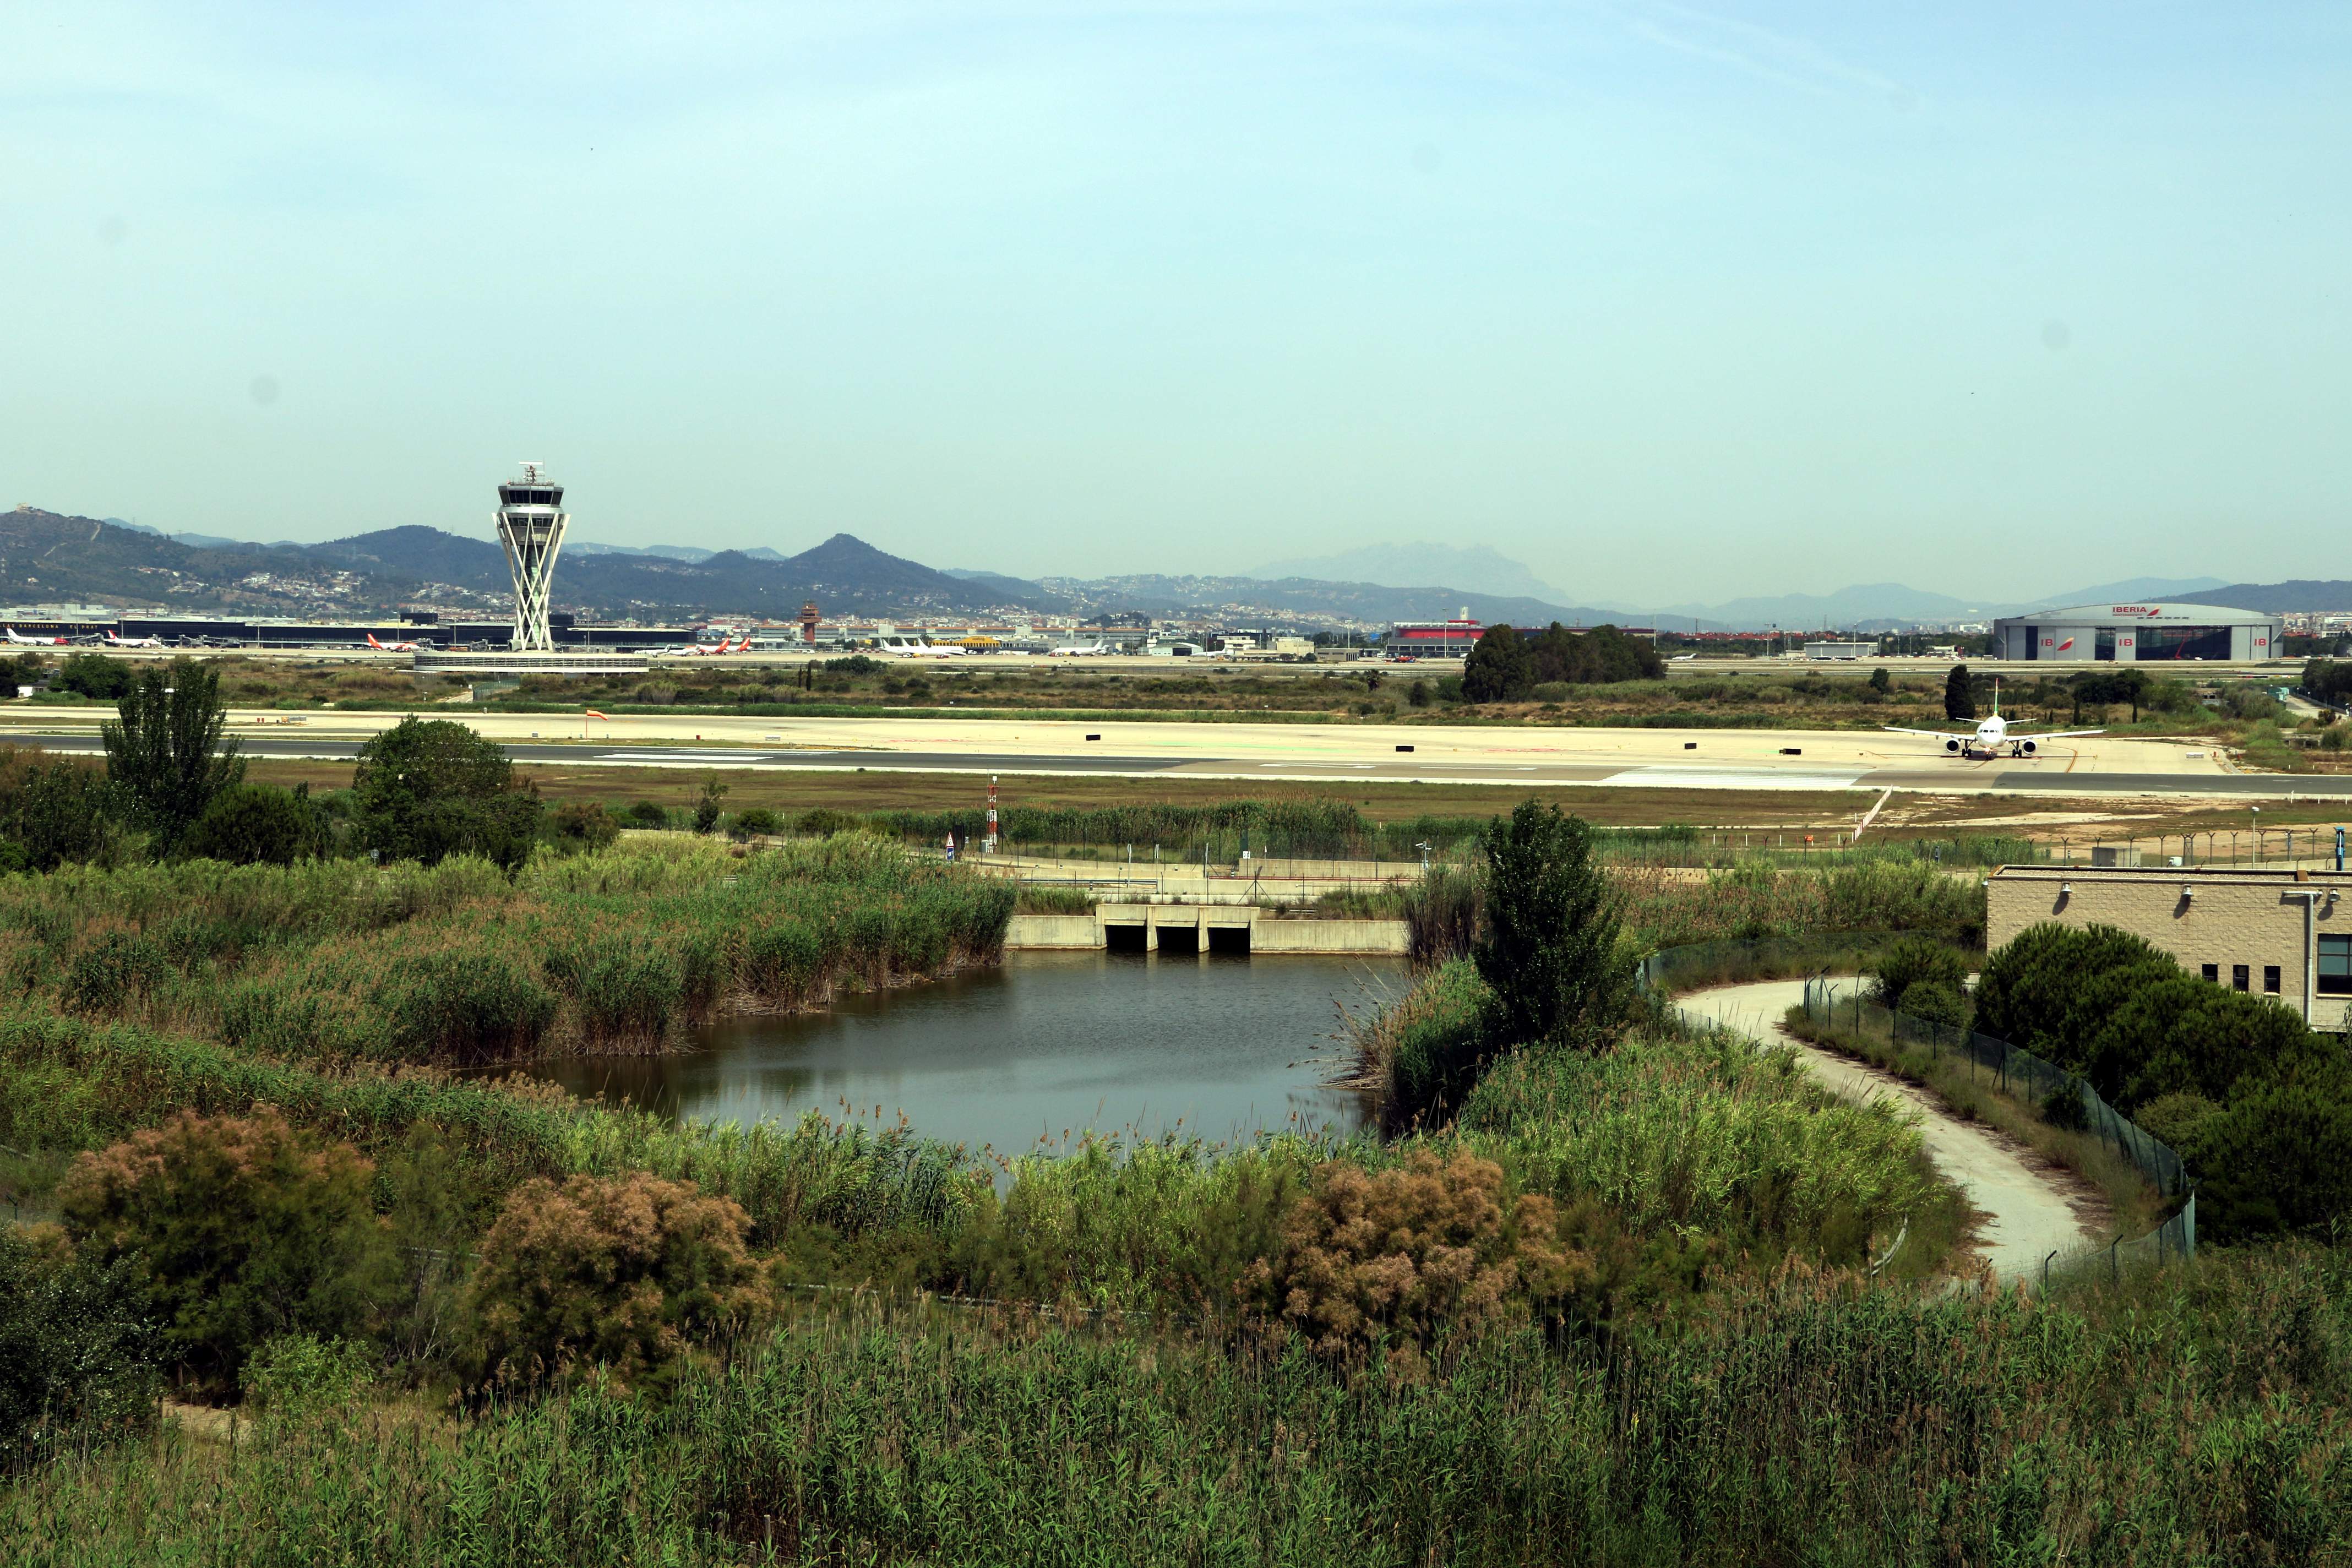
(2031, 1208)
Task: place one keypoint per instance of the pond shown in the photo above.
(1048, 1044)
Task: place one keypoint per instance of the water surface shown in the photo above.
(1048, 1044)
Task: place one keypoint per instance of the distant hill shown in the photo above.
(1475, 569)
(2132, 590)
(1364, 602)
(45, 557)
(2277, 598)
(1015, 590)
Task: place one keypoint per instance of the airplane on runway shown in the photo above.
(390, 647)
(113, 641)
(1682, 658)
(1992, 735)
(23, 641)
(1073, 651)
(924, 649)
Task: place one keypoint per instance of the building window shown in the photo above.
(2334, 978)
(2270, 980)
(2239, 978)
(2213, 972)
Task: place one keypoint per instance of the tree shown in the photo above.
(1417, 694)
(706, 807)
(167, 753)
(95, 675)
(1589, 659)
(1880, 681)
(1960, 701)
(249, 824)
(429, 788)
(1500, 668)
(1548, 953)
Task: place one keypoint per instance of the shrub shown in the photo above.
(238, 1230)
(1379, 1261)
(1909, 961)
(617, 1273)
(297, 1374)
(587, 823)
(76, 1347)
(758, 822)
(2276, 1157)
(1549, 949)
(1936, 1001)
(826, 821)
(648, 814)
(50, 812)
(249, 824)
(1435, 1045)
(426, 789)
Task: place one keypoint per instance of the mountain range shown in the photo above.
(48, 558)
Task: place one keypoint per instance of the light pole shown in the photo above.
(2258, 835)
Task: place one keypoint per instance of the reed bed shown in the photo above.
(455, 964)
(1804, 1421)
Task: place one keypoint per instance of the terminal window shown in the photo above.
(2213, 972)
(2239, 978)
(2270, 979)
(2334, 978)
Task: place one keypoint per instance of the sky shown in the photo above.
(1673, 303)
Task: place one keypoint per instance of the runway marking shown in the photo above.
(1663, 776)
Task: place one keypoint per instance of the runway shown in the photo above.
(1744, 759)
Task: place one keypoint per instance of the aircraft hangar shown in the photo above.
(2141, 634)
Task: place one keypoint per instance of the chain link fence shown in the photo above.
(2010, 1069)
(2019, 1073)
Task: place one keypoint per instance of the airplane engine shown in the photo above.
(1952, 745)
(2026, 748)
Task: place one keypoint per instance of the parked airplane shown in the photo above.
(726, 644)
(1682, 658)
(1075, 651)
(1992, 735)
(22, 641)
(390, 647)
(113, 641)
(924, 649)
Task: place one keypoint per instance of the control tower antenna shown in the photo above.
(530, 525)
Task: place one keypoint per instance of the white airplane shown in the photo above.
(1682, 658)
(1073, 651)
(924, 649)
(113, 641)
(1992, 735)
(390, 647)
(23, 641)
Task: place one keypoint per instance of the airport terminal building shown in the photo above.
(2128, 634)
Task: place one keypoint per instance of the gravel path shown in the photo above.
(2031, 1208)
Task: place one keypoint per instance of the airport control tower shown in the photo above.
(530, 525)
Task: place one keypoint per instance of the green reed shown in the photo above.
(1806, 1421)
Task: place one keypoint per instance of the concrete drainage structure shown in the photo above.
(1188, 929)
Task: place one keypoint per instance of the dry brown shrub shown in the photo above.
(241, 1228)
(1383, 1260)
(619, 1273)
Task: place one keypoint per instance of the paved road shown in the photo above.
(2031, 1208)
(1752, 760)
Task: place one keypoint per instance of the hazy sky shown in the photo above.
(1672, 303)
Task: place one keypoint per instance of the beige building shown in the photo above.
(2285, 933)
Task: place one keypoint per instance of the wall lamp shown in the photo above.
(2187, 893)
(2065, 889)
